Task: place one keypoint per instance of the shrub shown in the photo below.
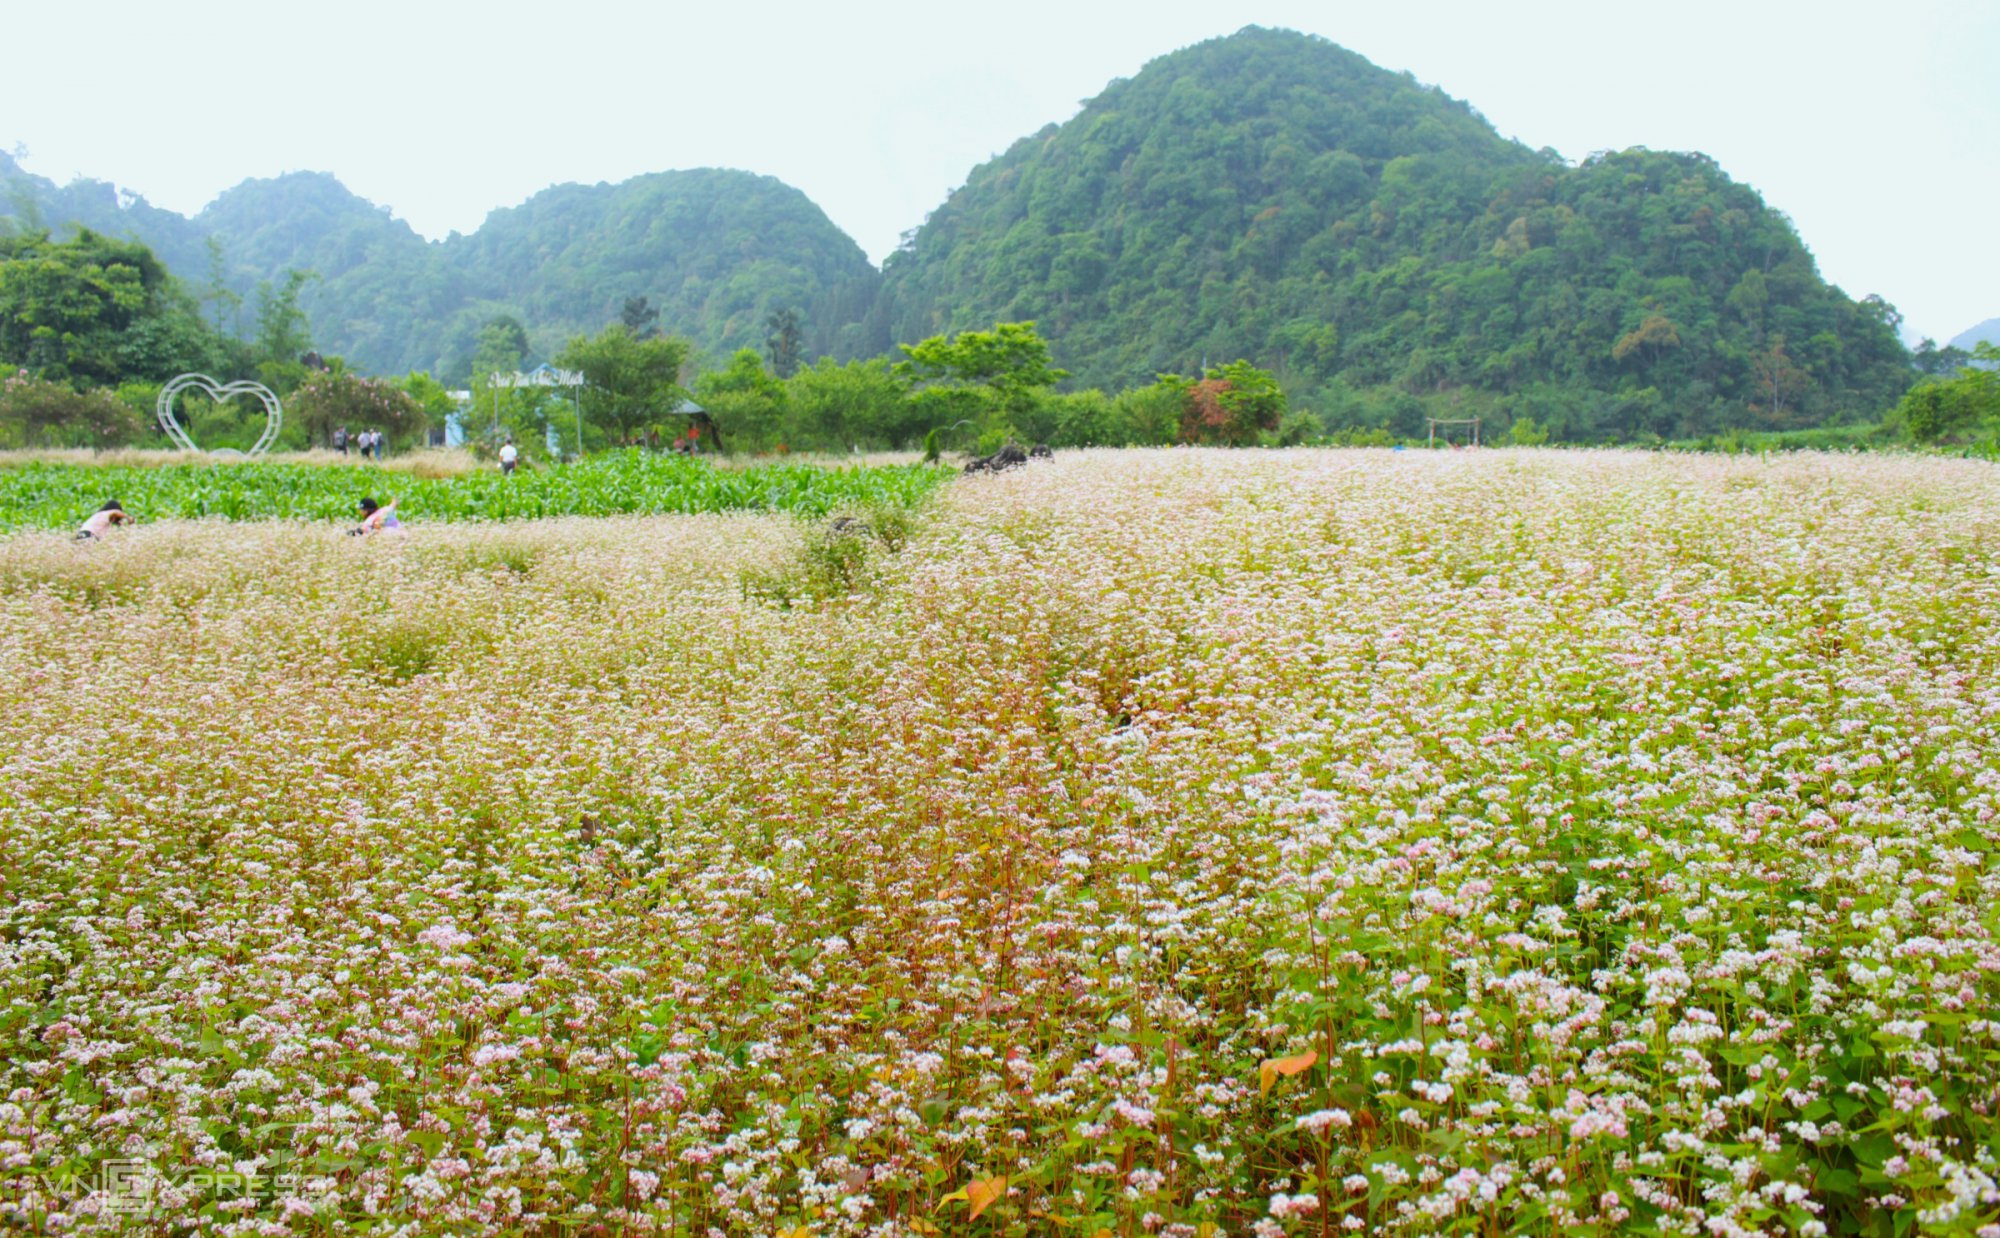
(38, 413)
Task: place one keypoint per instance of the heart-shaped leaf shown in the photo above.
(274, 413)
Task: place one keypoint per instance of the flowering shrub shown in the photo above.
(38, 413)
(328, 400)
(1179, 843)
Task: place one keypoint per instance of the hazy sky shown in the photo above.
(1876, 127)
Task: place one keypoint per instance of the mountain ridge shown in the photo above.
(1987, 332)
(1266, 195)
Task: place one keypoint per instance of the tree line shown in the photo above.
(91, 327)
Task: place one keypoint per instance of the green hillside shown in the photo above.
(1267, 196)
(715, 251)
(1272, 196)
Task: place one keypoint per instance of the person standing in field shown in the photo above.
(95, 525)
(509, 457)
(340, 440)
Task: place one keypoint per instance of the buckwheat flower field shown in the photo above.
(1184, 843)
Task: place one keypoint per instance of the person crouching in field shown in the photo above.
(103, 518)
(376, 518)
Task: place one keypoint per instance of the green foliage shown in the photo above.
(1949, 408)
(431, 396)
(1011, 361)
(524, 414)
(1373, 244)
(328, 400)
(631, 384)
(837, 558)
(999, 379)
(786, 342)
(234, 424)
(502, 346)
(1231, 405)
(283, 336)
(92, 311)
(730, 247)
(38, 413)
(39, 495)
(832, 405)
(1273, 197)
(746, 401)
(1234, 404)
(1527, 432)
(641, 317)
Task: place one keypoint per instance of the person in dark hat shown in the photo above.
(375, 518)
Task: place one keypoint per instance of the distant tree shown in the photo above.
(1934, 362)
(337, 398)
(283, 335)
(630, 383)
(502, 346)
(1649, 339)
(1527, 432)
(1779, 381)
(92, 311)
(786, 342)
(746, 400)
(1229, 404)
(1011, 362)
(219, 297)
(38, 412)
(431, 396)
(641, 317)
(833, 405)
(1946, 408)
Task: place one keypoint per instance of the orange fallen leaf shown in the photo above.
(981, 1193)
(1268, 1073)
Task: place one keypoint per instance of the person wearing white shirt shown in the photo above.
(95, 526)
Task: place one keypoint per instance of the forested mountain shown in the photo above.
(31, 201)
(1272, 196)
(716, 252)
(1267, 196)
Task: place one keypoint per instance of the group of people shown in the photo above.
(368, 443)
(375, 518)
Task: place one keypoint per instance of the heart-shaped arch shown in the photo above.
(274, 413)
